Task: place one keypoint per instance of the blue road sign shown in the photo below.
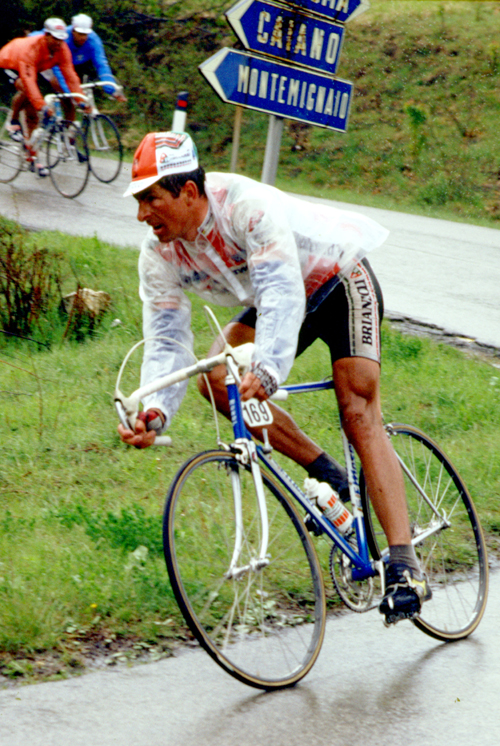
(287, 34)
(338, 10)
(279, 89)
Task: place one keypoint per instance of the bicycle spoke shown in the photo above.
(265, 625)
(451, 548)
(11, 153)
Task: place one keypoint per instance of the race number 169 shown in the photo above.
(257, 413)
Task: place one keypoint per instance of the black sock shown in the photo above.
(404, 553)
(326, 469)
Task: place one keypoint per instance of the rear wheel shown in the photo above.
(11, 153)
(265, 625)
(68, 159)
(105, 148)
(446, 532)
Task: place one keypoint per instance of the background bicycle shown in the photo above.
(102, 136)
(243, 566)
(60, 147)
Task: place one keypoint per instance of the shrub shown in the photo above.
(30, 283)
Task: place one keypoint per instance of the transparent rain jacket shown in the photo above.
(256, 247)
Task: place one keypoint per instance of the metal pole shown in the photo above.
(179, 118)
(238, 113)
(272, 154)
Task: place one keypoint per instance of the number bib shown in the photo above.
(257, 413)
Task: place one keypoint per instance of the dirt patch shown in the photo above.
(83, 653)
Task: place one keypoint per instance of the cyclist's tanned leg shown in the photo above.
(357, 388)
(21, 102)
(284, 434)
(358, 394)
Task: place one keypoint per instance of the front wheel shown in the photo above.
(68, 159)
(11, 153)
(105, 148)
(266, 626)
(446, 533)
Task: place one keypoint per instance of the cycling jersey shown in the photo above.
(29, 56)
(256, 247)
(92, 50)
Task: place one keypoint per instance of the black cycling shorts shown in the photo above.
(347, 319)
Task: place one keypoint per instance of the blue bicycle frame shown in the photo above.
(362, 565)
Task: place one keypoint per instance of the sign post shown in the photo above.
(289, 70)
(271, 155)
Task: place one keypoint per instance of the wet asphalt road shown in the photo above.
(371, 686)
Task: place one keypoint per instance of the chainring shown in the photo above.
(356, 594)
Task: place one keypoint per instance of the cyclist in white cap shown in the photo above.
(88, 55)
(299, 270)
(23, 59)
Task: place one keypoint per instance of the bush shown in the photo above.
(30, 283)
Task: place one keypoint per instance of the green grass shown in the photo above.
(76, 505)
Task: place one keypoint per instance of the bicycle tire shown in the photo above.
(103, 140)
(265, 629)
(68, 159)
(11, 153)
(454, 559)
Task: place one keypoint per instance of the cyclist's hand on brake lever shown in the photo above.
(251, 386)
(258, 382)
(46, 114)
(147, 426)
(85, 107)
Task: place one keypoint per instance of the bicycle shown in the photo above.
(242, 564)
(102, 136)
(66, 153)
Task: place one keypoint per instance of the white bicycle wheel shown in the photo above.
(265, 627)
(11, 153)
(68, 159)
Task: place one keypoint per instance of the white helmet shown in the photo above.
(56, 28)
(82, 24)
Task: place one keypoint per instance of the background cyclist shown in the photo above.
(24, 59)
(299, 270)
(89, 58)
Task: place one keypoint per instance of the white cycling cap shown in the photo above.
(56, 28)
(161, 154)
(82, 23)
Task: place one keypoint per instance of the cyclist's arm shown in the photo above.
(65, 64)
(28, 74)
(60, 79)
(166, 313)
(100, 62)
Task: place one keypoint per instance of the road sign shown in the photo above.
(338, 10)
(287, 34)
(279, 89)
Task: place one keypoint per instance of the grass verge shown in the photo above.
(81, 570)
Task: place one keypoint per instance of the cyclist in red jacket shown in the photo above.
(23, 59)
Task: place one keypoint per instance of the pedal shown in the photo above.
(391, 619)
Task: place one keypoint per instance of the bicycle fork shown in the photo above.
(246, 455)
(262, 559)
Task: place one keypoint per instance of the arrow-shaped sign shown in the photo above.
(287, 34)
(338, 10)
(279, 89)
